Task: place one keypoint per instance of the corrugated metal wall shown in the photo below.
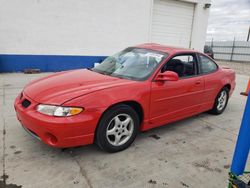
(171, 28)
(231, 50)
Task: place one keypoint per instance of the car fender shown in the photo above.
(101, 100)
(228, 78)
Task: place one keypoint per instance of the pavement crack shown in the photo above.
(83, 173)
(4, 176)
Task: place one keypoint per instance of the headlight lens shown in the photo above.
(60, 111)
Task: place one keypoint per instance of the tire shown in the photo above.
(220, 104)
(117, 128)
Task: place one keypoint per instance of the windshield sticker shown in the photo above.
(156, 56)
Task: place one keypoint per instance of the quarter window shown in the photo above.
(207, 65)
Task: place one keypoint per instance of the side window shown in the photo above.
(207, 65)
(183, 65)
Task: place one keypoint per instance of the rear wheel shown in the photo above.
(220, 102)
(117, 128)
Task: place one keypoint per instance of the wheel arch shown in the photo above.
(134, 104)
(228, 86)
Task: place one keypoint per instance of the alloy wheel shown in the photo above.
(222, 100)
(120, 129)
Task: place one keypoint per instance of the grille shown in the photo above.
(26, 103)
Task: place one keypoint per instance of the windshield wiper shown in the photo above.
(122, 76)
(101, 72)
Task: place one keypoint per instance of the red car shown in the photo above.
(140, 88)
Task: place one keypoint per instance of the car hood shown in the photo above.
(64, 86)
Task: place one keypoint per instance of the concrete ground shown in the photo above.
(195, 152)
(239, 67)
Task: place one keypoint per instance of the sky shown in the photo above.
(228, 19)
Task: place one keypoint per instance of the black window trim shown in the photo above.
(185, 53)
(199, 64)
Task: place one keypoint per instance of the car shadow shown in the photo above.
(152, 134)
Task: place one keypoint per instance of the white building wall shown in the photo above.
(75, 27)
(200, 23)
(82, 27)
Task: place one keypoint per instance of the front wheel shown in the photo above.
(117, 128)
(220, 102)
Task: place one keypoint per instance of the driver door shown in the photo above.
(173, 100)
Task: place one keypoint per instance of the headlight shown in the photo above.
(60, 111)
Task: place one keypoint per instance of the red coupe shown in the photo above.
(137, 89)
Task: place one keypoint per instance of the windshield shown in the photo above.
(131, 63)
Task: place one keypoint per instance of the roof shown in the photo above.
(163, 48)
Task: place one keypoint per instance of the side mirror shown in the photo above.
(167, 76)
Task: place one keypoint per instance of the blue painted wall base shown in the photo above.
(243, 143)
(46, 63)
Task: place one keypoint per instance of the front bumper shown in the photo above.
(59, 132)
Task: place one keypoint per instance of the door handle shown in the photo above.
(198, 82)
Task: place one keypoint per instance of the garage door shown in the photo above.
(172, 22)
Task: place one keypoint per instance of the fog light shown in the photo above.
(51, 139)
